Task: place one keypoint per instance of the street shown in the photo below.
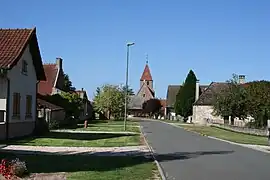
(188, 156)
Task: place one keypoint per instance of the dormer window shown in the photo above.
(24, 67)
(147, 83)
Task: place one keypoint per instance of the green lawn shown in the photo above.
(90, 167)
(79, 140)
(227, 135)
(108, 128)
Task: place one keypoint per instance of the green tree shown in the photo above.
(110, 100)
(75, 103)
(231, 100)
(130, 91)
(186, 96)
(68, 84)
(258, 102)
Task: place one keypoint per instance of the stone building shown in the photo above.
(145, 93)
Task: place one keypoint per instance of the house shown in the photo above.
(145, 93)
(172, 91)
(49, 111)
(87, 108)
(55, 78)
(20, 71)
(53, 85)
(203, 105)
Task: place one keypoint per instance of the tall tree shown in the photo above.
(68, 84)
(258, 102)
(110, 100)
(186, 96)
(232, 100)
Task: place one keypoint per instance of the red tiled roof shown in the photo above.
(45, 87)
(12, 45)
(146, 74)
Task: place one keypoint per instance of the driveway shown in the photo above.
(185, 155)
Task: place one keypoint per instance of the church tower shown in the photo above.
(146, 77)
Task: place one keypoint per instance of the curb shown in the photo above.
(161, 172)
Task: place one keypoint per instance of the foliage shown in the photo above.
(41, 127)
(5, 169)
(258, 101)
(111, 100)
(68, 84)
(232, 100)
(74, 102)
(130, 91)
(152, 106)
(186, 96)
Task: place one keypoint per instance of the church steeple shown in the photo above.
(146, 76)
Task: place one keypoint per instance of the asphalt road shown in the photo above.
(185, 155)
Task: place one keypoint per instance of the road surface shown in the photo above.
(185, 155)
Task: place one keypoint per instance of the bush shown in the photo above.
(54, 124)
(13, 168)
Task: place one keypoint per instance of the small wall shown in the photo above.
(2, 131)
(21, 128)
(201, 113)
(259, 132)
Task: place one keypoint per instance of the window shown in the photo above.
(147, 83)
(24, 67)
(2, 115)
(28, 112)
(143, 95)
(16, 104)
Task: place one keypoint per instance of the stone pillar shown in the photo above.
(197, 90)
(230, 120)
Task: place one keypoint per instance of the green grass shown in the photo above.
(108, 128)
(228, 135)
(79, 140)
(89, 167)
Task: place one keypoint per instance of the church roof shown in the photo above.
(146, 74)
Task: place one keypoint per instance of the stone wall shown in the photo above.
(259, 132)
(201, 113)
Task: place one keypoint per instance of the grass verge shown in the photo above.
(89, 167)
(228, 135)
(108, 128)
(79, 140)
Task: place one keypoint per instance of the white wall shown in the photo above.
(3, 93)
(200, 113)
(23, 84)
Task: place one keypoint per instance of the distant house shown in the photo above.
(55, 78)
(49, 111)
(203, 105)
(172, 91)
(20, 70)
(87, 108)
(145, 93)
(53, 85)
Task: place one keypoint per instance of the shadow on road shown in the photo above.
(188, 155)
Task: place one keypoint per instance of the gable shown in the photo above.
(145, 92)
(13, 43)
(46, 87)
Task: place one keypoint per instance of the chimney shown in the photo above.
(197, 90)
(59, 62)
(241, 79)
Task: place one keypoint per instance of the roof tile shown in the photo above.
(146, 74)
(45, 87)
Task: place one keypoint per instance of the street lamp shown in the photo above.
(126, 89)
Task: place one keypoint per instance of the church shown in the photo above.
(145, 92)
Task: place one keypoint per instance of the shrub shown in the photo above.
(54, 124)
(41, 127)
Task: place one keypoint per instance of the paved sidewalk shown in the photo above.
(106, 151)
(95, 132)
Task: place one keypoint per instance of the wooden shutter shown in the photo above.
(28, 105)
(16, 104)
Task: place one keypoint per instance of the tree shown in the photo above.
(68, 84)
(232, 100)
(75, 102)
(186, 96)
(152, 106)
(110, 100)
(130, 91)
(258, 101)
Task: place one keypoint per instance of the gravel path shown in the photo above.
(106, 151)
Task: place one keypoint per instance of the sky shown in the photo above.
(214, 38)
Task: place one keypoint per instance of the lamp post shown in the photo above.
(126, 89)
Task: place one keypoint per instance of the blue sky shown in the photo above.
(215, 38)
